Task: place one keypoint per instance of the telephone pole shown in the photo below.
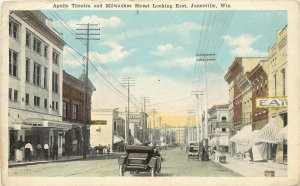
(127, 82)
(144, 99)
(190, 112)
(154, 111)
(86, 82)
(206, 58)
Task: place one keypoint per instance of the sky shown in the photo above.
(158, 50)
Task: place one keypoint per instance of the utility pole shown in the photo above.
(127, 82)
(86, 82)
(189, 112)
(154, 111)
(206, 58)
(144, 99)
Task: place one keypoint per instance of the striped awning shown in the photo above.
(240, 135)
(267, 134)
(283, 134)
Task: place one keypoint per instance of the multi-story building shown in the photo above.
(35, 81)
(72, 109)
(239, 93)
(277, 60)
(107, 128)
(219, 125)
(179, 135)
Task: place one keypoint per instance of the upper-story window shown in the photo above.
(27, 70)
(223, 119)
(37, 74)
(115, 125)
(55, 82)
(75, 112)
(13, 30)
(37, 45)
(45, 77)
(36, 101)
(15, 95)
(13, 63)
(283, 81)
(46, 51)
(55, 57)
(28, 39)
(65, 110)
(274, 78)
(10, 94)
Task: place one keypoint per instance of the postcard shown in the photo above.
(150, 93)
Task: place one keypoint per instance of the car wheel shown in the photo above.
(121, 172)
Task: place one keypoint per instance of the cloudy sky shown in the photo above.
(158, 49)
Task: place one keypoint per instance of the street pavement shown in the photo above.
(174, 163)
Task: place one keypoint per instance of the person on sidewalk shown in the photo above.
(38, 151)
(108, 149)
(55, 151)
(28, 151)
(19, 150)
(46, 149)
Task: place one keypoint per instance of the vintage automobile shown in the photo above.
(193, 151)
(140, 159)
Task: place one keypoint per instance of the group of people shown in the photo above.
(40, 150)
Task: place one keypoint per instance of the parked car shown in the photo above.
(140, 159)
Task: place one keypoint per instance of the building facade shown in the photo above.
(239, 94)
(277, 60)
(72, 110)
(35, 81)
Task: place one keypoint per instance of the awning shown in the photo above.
(267, 134)
(223, 140)
(137, 142)
(37, 122)
(118, 139)
(240, 135)
(283, 134)
(212, 142)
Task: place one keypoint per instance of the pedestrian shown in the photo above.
(19, 150)
(28, 151)
(38, 150)
(46, 149)
(55, 151)
(108, 149)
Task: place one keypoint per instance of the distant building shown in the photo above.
(179, 135)
(35, 81)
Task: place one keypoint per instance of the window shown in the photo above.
(10, 94)
(75, 112)
(37, 74)
(223, 129)
(15, 95)
(55, 82)
(283, 81)
(274, 84)
(28, 37)
(37, 45)
(56, 106)
(45, 51)
(13, 30)
(27, 70)
(45, 77)
(36, 101)
(55, 57)
(27, 99)
(45, 103)
(13, 66)
(115, 125)
(53, 105)
(65, 109)
(223, 119)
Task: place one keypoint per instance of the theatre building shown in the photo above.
(35, 81)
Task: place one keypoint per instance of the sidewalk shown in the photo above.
(61, 159)
(254, 169)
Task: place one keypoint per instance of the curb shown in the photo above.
(114, 156)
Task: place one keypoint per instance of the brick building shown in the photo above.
(72, 109)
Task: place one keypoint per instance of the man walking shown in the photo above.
(28, 151)
(38, 151)
(46, 149)
(55, 151)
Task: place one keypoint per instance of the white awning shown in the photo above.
(118, 139)
(283, 134)
(223, 140)
(212, 142)
(240, 135)
(267, 134)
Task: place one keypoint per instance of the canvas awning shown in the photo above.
(212, 142)
(283, 134)
(118, 139)
(267, 134)
(223, 140)
(240, 135)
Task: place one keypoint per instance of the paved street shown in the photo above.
(174, 164)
